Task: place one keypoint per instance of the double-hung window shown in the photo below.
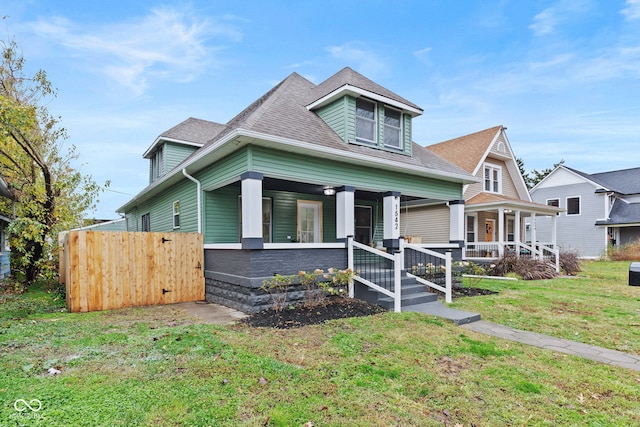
(176, 214)
(492, 179)
(392, 128)
(471, 228)
(146, 222)
(573, 205)
(156, 165)
(365, 121)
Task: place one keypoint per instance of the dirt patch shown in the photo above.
(471, 292)
(300, 315)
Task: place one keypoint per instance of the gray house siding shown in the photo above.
(574, 232)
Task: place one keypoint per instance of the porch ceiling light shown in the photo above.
(329, 191)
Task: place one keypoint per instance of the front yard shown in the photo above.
(156, 366)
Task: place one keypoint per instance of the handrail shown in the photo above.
(447, 288)
(396, 260)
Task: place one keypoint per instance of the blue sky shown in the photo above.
(562, 75)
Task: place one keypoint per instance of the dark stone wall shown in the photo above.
(233, 277)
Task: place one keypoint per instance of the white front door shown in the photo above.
(309, 222)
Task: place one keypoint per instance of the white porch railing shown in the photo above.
(382, 271)
(493, 250)
(437, 268)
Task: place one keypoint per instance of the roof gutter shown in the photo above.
(199, 197)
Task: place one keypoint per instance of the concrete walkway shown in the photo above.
(599, 354)
(214, 314)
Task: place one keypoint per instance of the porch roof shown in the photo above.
(488, 201)
(622, 213)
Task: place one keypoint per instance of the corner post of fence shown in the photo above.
(448, 281)
(350, 265)
(397, 281)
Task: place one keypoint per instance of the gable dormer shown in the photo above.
(178, 143)
(364, 113)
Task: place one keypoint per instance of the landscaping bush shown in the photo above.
(569, 262)
(628, 252)
(525, 267)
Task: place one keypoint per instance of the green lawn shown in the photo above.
(155, 367)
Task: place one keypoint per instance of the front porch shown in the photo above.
(282, 227)
(498, 226)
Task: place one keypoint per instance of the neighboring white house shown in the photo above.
(601, 209)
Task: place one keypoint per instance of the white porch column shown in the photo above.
(516, 232)
(534, 239)
(252, 210)
(554, 222)
(391, 220)
(500, 232)
(456, 222)
(345, 208)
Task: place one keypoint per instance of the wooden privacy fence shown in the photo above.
(104, 270)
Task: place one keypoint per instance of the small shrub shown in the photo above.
(339, 280)
(314, 294)
(278, 288)
(569, 262)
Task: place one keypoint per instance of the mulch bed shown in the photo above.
(332, 308)
(300, 315)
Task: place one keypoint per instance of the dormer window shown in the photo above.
(493, 178)
(392, 128)
(156, 164)
(365, 121)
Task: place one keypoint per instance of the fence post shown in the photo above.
(397, 264)
(448, 283)
(350, 265)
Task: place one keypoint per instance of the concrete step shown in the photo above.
(408, 300)
(438, 309)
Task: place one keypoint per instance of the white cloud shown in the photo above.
(632, 10)
(168, 44)
(355, 55)
(546, 22)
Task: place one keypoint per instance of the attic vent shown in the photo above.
(501, 147)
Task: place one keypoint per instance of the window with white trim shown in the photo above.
(176, 214)
(392, 128)
(146, 222)
(156, 164)
(365, 121)
(492, 178)
(554, 202)
(470, 228)
(573, 205)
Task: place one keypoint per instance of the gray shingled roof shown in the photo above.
(282, 112)
(625, 181)
(347, 76)
(622, 213)
(194, 130)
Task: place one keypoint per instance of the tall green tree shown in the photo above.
(534, 176)
(50, 194)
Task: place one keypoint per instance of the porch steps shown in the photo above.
(436, 308)
(414, 298)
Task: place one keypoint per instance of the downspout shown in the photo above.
(184, 172)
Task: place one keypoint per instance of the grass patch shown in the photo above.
(595, 307)
(154, 367)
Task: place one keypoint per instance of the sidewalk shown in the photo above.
(599, 354)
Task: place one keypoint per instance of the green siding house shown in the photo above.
(280, 187)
